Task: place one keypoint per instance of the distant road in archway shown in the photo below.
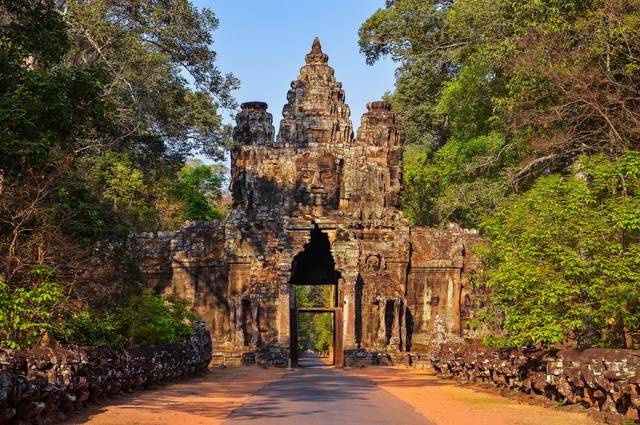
(323, 395)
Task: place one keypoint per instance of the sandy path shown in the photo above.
(322, 395)
(447, 403)
(210, 400)
(207, 400)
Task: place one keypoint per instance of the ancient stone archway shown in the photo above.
(308, 203)
(315, 265)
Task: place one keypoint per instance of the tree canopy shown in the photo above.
(102, 105)
(522, 119)
(544, 82)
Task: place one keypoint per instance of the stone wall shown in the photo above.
(603, 379)
(316, 204)
(190, 263)
(43, 385)
(438, 288)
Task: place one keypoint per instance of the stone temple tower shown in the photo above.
(317, 205)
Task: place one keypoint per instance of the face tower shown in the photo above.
(316, 204)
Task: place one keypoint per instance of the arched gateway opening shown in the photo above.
(314, 304)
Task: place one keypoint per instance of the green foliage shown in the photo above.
(408, 31)
(84, 328)
(150, 319)
(147, 319)
(459, 182)
(315, 330)
(44, 107)
(198, 187)
(563, 260)
(504, 107)
(28, 314)
(552, 79)
(165, 80)
(315, 295)
(466, 101)
(122, 187)
(100, 108)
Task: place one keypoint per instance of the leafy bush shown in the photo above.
(563, 260)
(150, 319)
(198, 187)
(147, 319)
(28, 314)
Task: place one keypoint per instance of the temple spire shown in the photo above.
(316, 47)
(316, 55)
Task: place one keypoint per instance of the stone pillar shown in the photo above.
(236, 320)
(452, 315)
(403, 326)
(284, 305)
(382, 327)
(395, 329)
(456, 329)
(255, 330)
(349, 306)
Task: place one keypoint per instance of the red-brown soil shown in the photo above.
(207, 400)
(210, 399)
(446, 402)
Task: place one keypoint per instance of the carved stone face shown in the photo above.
(317, 180)
(254, 131)
(254, 125)
(372, 263)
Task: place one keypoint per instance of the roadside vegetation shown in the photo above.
(102, 108)
(315, 330)
(522, 119)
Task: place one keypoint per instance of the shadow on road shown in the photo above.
(309, 386)
(324, 395)
(314, 360)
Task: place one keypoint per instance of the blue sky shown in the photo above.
(263, 42)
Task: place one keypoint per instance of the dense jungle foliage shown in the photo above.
(102, 105)
(522, 118)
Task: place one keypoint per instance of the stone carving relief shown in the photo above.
(316, 176)
(373, 263)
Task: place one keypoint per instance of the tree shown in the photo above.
(563, 260)
(199, 187)
(505, 109)
(101, 104)
(165, 83)
(47, 110)
(411, 33)
(554, 79)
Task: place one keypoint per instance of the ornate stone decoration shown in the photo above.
(316, 205)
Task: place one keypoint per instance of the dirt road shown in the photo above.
(321, 395)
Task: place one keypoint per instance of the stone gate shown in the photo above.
(397, 285)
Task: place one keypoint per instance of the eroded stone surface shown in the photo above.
(394, 283)
(602, 379)
(43, 384)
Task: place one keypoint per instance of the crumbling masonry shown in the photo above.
(315, 205)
